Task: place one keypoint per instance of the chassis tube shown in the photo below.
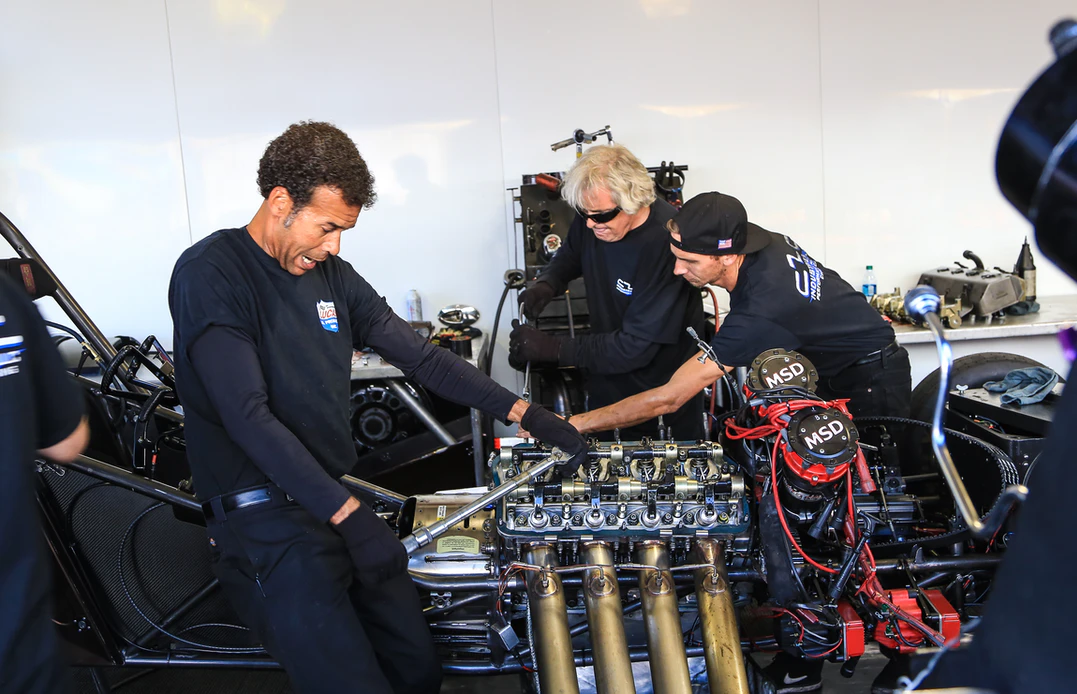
(421, 412)
(93, 335)
(662, 620)
(718, 622)
(63, 297)
(613, 669)
(380, 493)
(553, 644)
(136, 483)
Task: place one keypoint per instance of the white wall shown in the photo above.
(866, 131)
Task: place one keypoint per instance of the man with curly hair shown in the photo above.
(266, 318)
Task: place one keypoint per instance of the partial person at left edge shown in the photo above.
(41, 416)
(266, 317)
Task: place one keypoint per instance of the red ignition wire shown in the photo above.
(867, 485)
(824, 653)
(773, 414)
(781, 513)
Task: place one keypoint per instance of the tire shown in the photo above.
(972, 371)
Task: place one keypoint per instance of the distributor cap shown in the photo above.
(778, 368)
(823, 436)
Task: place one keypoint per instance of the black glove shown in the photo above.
(376, 552)
(548, 427)
(535, 298)
(527, 344)
(29, 275)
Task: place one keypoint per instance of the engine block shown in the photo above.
(625, 491)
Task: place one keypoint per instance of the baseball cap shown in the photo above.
(716, 224)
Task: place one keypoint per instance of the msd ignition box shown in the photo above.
(777, 368)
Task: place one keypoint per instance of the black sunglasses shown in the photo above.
(601, 217)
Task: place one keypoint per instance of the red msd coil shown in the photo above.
(943, 614)
(852, 637)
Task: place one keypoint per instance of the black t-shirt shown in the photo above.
(304, 329)
(785, 299)
(40, 406)
(639, 311)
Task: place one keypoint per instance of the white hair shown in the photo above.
(614, 168)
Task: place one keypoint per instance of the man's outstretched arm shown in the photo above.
(691, 378)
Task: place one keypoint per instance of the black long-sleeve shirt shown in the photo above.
(263, 366)
(638, 311)
(40, 406)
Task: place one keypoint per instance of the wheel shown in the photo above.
(972, 371)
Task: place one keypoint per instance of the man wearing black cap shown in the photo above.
(779, 297)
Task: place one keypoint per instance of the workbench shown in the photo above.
(1032, 336)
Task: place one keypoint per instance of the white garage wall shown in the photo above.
(915, 95)
(866, 131)
(90, 166)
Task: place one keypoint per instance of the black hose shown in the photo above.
(488, 356)
(782, 578)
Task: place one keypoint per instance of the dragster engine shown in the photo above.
(658, 563)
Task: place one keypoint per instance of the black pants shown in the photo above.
(31, 658)
(880, 387)
(290, 579)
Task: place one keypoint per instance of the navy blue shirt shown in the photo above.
(639, 311)
(40, 406)
(284, 414)
(785, 299)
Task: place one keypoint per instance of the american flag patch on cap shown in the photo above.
(724, 244)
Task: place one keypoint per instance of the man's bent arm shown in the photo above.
(688, 380)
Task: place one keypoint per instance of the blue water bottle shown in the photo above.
(868, 287)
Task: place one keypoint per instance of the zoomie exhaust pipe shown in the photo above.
(552, 646)
(613, 667)
(718, 622)
(662, 621)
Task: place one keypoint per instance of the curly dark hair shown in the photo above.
(310, 154)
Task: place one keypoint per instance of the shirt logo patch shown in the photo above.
(624, 287)
(807, 274)
(327, 314)
(9, 361)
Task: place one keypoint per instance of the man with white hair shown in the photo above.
(639, 309)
